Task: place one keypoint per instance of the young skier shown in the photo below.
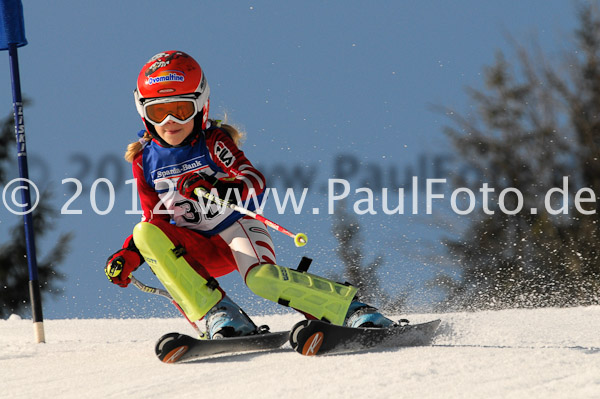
(189, 241)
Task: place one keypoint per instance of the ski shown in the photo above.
(175, 347)
(314, 337)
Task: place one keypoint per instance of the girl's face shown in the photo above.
(174, 133)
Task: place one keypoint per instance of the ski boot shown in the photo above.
(226, 319)
(362, 315)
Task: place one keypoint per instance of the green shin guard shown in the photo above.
(192, 292)
(317, 296)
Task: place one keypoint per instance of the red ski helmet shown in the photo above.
(172, 77)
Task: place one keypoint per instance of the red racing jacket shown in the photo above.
(157, 170)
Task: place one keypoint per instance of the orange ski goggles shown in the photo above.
(178, 109)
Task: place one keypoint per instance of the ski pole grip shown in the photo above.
(115, 267)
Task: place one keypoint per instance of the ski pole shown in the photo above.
(300, 239)
(150, 290)
(165, 294)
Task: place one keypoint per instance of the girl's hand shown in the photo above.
(229, 190)
(121, 264)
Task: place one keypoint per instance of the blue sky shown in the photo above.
(308, 81)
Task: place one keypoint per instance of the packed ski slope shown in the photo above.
(543, 353)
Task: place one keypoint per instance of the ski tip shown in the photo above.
(174, 355)
(306, 342)
(168, 350)
(435, 324)
(313, 344)
(293, 337)
(316, 338)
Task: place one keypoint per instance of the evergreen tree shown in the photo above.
(532, 126)
(14, 274)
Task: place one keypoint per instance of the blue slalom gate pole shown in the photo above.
(34, 285)
(12, 36)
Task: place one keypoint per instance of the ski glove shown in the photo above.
(121, 264)
(229, 190)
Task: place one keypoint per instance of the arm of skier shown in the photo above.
(226, 154)
(126, 260)
(244, 179)
(151, 205)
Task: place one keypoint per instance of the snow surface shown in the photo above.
(541, 353)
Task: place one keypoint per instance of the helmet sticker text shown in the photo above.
(171, 77)
(162, 60)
